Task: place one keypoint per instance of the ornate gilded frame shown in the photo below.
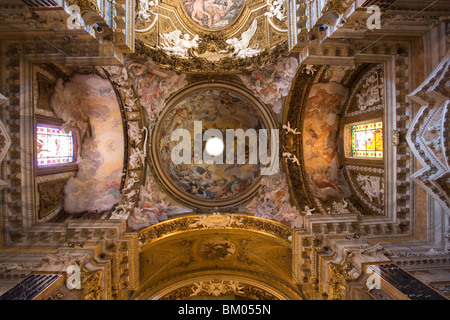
(293, 111)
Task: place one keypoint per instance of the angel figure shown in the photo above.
(176, 43)
(289, 129)
(276, 10)
(241, 49)
(135, 132)
(308, 211)
(136, 156)
(131, 182)
(292, 157)
(309, 69)
(145, 10)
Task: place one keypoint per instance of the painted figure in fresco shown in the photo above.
(211, 13)
(196, 10)
(321, 147)
(139, 70)
(88, 102)
(314, 137)
(323, 104)
(322, 179)
(273, 201)
(146, 80)
(153, 207)
(218, 11)
(330, 148)
(141, 218)
(225, 189)
(237, 185)
(272, 83)
(322, 144)
(217, 250)
(154, 85)
(228, 101)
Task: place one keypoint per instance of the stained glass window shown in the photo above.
(54, 146)
(367, 140)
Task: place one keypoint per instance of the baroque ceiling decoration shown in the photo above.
(312, 162)
(165, 232)
(216, 255)
(203, 36)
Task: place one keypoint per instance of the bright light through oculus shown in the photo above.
(214, 146)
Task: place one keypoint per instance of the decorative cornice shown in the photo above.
(214, 221)
(200, 65)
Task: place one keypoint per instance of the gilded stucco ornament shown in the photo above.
(291, 138)
(214, 221)
(339, 274)
(221, 36)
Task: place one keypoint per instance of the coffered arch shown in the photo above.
(215, 255)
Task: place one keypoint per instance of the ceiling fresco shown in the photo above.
(320, 142)
(209, 107)
(88, 104)
(216, 109)
(220, 35)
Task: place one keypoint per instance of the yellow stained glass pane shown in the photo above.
(367, 140)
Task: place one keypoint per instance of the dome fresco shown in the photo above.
(216, 109)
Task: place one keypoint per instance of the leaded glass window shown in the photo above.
(54, 146)
(367, 140)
